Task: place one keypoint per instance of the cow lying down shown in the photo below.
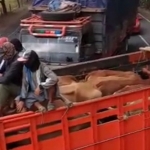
(100, 83)
(97, 84)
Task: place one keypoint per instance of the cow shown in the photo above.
(76, 91)
(66, 80)
(131, 88)
(105, 73)
(110, 84)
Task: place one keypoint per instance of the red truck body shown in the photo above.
(52, 130)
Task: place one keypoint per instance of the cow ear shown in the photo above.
(87, 77)
(68, 89)
(74, 78)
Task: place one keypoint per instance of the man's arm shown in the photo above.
(13, 71)
(52, 78)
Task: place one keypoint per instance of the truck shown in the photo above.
(52, 130)
(102, 30)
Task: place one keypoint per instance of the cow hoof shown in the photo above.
(125, 117)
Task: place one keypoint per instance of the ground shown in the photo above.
(12, 5)
(9, 24)
(143, 39)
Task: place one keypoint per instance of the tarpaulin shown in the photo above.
(85, 3)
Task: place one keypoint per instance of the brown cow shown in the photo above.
(66, 80)
(105, 73)
(131, 88)
(110, 84)
(76, 91)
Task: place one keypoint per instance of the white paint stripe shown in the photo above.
(144, 18)
(142, 38)
(15, 31)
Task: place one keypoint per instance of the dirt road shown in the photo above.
(9, 24)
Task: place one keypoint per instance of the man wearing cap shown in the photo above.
(9, 86)
(38, 80)
(9, 53)
(10, 80)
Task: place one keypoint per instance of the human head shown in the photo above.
(17, 44)
(31, 60)
(7, 51)
(3, 40)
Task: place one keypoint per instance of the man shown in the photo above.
(3, 40)
(9, 55)
(17, 44)
(38, 81)
(10, 83)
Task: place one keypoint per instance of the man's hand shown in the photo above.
(146, 70)
(1, 75)
(37, 91)
(19, 105)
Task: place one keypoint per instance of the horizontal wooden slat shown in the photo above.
(79, 121)
(132, 107)
(106, 114)
(16, 128)
(25, 147)
(18, 137)
(49, 129)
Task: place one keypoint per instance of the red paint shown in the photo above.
(137, 26)
(129, 134)
(3, 40)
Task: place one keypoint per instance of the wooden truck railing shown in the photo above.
(51, 131)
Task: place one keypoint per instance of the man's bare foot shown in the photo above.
(145, 70)
(39, 107)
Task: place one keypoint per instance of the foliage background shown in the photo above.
(12, 5)
(145, 4)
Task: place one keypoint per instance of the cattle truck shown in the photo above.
(53, 130)
(101, 29)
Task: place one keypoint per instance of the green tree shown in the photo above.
(145, 3)
(2, 2)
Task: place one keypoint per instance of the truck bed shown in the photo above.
(52, 130)
(133, 61)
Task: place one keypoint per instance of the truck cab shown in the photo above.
(59, 44)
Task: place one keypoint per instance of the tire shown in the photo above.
(124, 46)
(57, 16)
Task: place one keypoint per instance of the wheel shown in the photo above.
(123, 47)
(126, 46)
(58, 16)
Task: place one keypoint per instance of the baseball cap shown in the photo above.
(3, 40)
(25, 56)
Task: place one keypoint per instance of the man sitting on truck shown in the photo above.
(17, 44)
(9, 77)
(38, 79)
(13, 44)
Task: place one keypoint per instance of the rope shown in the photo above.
(68, 103)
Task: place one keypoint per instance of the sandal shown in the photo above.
(50, 106)
(41, 109)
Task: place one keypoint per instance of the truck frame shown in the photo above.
(111, 27)
(52, 130)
